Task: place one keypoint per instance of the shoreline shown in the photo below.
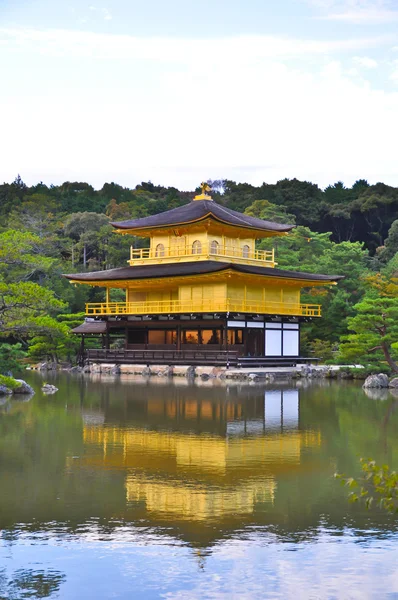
(211, 371)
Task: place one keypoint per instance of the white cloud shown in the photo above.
(365, 16)
(358, 12)
(365, 61)
(177, 111)
(240, 48)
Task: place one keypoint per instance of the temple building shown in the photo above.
(201, 293)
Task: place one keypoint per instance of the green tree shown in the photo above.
(374, 330)
(24, 302)
(90, 231)
(23, 256)
(36, 215)
(22, 305)
(10, 357)
(262, 209)
(300, 198)
(391, 244)
(51, 339)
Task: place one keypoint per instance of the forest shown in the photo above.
(49, 230)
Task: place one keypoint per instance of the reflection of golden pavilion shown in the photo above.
(192, 476)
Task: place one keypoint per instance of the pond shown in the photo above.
(127, 488)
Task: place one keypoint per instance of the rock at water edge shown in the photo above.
(23, 388)
(376, 381)
(5, 391)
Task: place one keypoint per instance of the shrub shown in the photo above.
(9, 382)
(321, 349)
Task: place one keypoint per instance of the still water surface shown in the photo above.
(130, 489)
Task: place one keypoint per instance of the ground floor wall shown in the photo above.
(246, 336)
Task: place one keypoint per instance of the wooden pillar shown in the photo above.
(245, 339)
(225, 334)
(107, 336)
(178, 337)
(107, 298)
(81, 358)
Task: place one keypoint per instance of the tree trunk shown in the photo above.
(388, 358)
(85, 255)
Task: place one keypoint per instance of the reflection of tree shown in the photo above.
(26, 583)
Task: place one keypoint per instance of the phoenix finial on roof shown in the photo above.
(205, 189)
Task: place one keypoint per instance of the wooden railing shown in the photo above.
(205, 306)
(168, 357)
(204, 251)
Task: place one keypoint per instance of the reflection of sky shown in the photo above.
(281, 412)
(124, 566)
(281, 409)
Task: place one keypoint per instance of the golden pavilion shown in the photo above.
(201, 293)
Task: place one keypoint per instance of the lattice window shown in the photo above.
(197, 247)
(214, 247)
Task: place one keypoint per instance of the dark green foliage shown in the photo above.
(391, 244)
(10, 357)
(263, 209)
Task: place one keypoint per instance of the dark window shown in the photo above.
(136, 336)
(235, 337)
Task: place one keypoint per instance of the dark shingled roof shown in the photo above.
(193, 268)
(91, 327)
(198, 210)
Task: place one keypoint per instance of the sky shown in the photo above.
(180, 91)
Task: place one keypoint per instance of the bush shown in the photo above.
(322, 349)
(9, 382)
(355, 373)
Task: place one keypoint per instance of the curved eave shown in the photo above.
(263, 232)
(204, 269)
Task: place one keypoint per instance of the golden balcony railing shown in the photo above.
(205, 306)
(190, 252)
